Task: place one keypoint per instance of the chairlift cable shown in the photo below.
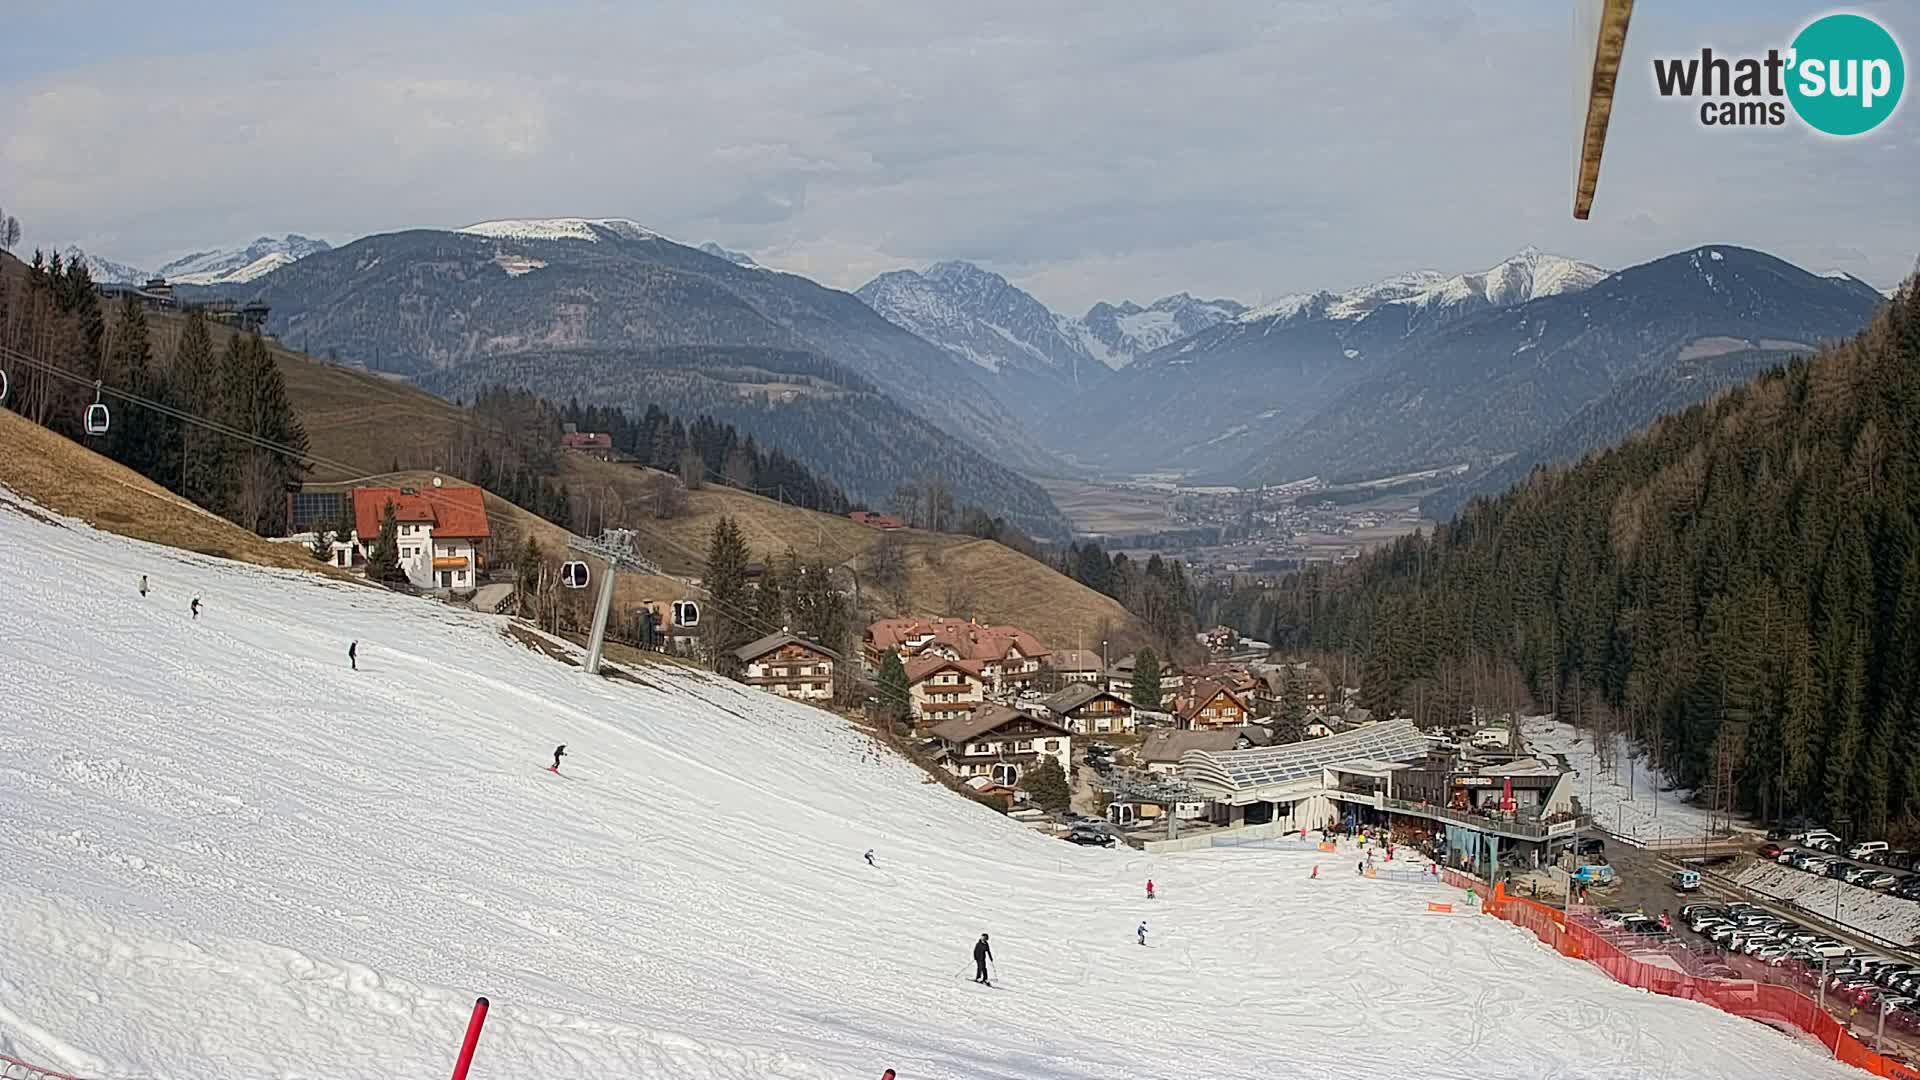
(495, 517)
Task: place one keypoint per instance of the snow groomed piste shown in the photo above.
(229, 855)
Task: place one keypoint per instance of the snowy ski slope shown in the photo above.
(225, 855)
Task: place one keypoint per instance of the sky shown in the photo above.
(1088, 151)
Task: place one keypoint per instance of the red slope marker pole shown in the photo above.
(473, 1039)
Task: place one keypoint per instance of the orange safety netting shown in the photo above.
(1754, 1000)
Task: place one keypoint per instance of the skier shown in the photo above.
(196, 607)
(1360, 868)
(558, 753)
(353, 655)
(1149, 888)
(869, 856)
(1666, 921)
(1142, 932)
(143, 584)
(981, 954)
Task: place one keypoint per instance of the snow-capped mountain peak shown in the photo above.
(1427, 294)
(977, 315)
(106, 271)
(232, 266)
(215, 267)
(737, 258)
(1117, 334)
(561, 228)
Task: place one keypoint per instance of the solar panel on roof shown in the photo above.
(1398, 741)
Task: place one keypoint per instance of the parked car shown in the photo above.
(1770, 851)
(1773, 955)
(1886, 973)
(1875, 879)
(1815, 836)
(1906, 1018)
(1688, 912)
(1779, 832)
(1090, 837)
(1866, 848)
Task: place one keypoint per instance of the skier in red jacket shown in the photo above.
(1149, 888)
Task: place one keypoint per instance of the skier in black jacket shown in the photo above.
(558, 753)
(981, 954)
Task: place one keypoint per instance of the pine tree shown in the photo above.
(770, 601)
(727, 618)
(1293, 706)
(383, 558)
(194, 386)
(138, 437)
(526, 577)
(818, 610)
(322, 543)
(255, 400)
(895, 704)
(1146, 680)
(1046, 784)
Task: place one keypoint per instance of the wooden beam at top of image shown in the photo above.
(1611, 43)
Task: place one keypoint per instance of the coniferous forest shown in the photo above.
(1738, 587)
(58, 338)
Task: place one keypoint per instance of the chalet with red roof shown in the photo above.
(440, 533)
(1008, 657)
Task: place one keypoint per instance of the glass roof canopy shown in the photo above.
(1241, 770)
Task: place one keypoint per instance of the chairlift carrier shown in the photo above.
(98, 419)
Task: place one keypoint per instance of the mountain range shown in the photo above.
(1208, 401)
(955, 370)
(505, 296)
(1533, 360)
(1495, 385)
(1037, 359)
(230, 266)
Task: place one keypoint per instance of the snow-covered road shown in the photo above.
(226, 855)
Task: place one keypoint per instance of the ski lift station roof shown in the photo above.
(1368, 749)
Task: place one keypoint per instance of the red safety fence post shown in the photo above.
(473, 1039)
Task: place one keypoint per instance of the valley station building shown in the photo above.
(1390, 775)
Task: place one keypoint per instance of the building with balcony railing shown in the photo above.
(1389, 776)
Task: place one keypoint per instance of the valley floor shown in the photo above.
(228, 855)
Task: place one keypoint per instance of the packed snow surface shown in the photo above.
(1625, 800)
(1877, 913)
(229, 856)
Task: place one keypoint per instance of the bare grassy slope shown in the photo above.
(66, 477)
(370, 422)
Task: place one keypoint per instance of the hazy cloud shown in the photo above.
(1088, 150)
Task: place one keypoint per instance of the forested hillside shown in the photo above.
(825, 417)
(1739, 585)
(62, 353)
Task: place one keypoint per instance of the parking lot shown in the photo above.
(1786, 944)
